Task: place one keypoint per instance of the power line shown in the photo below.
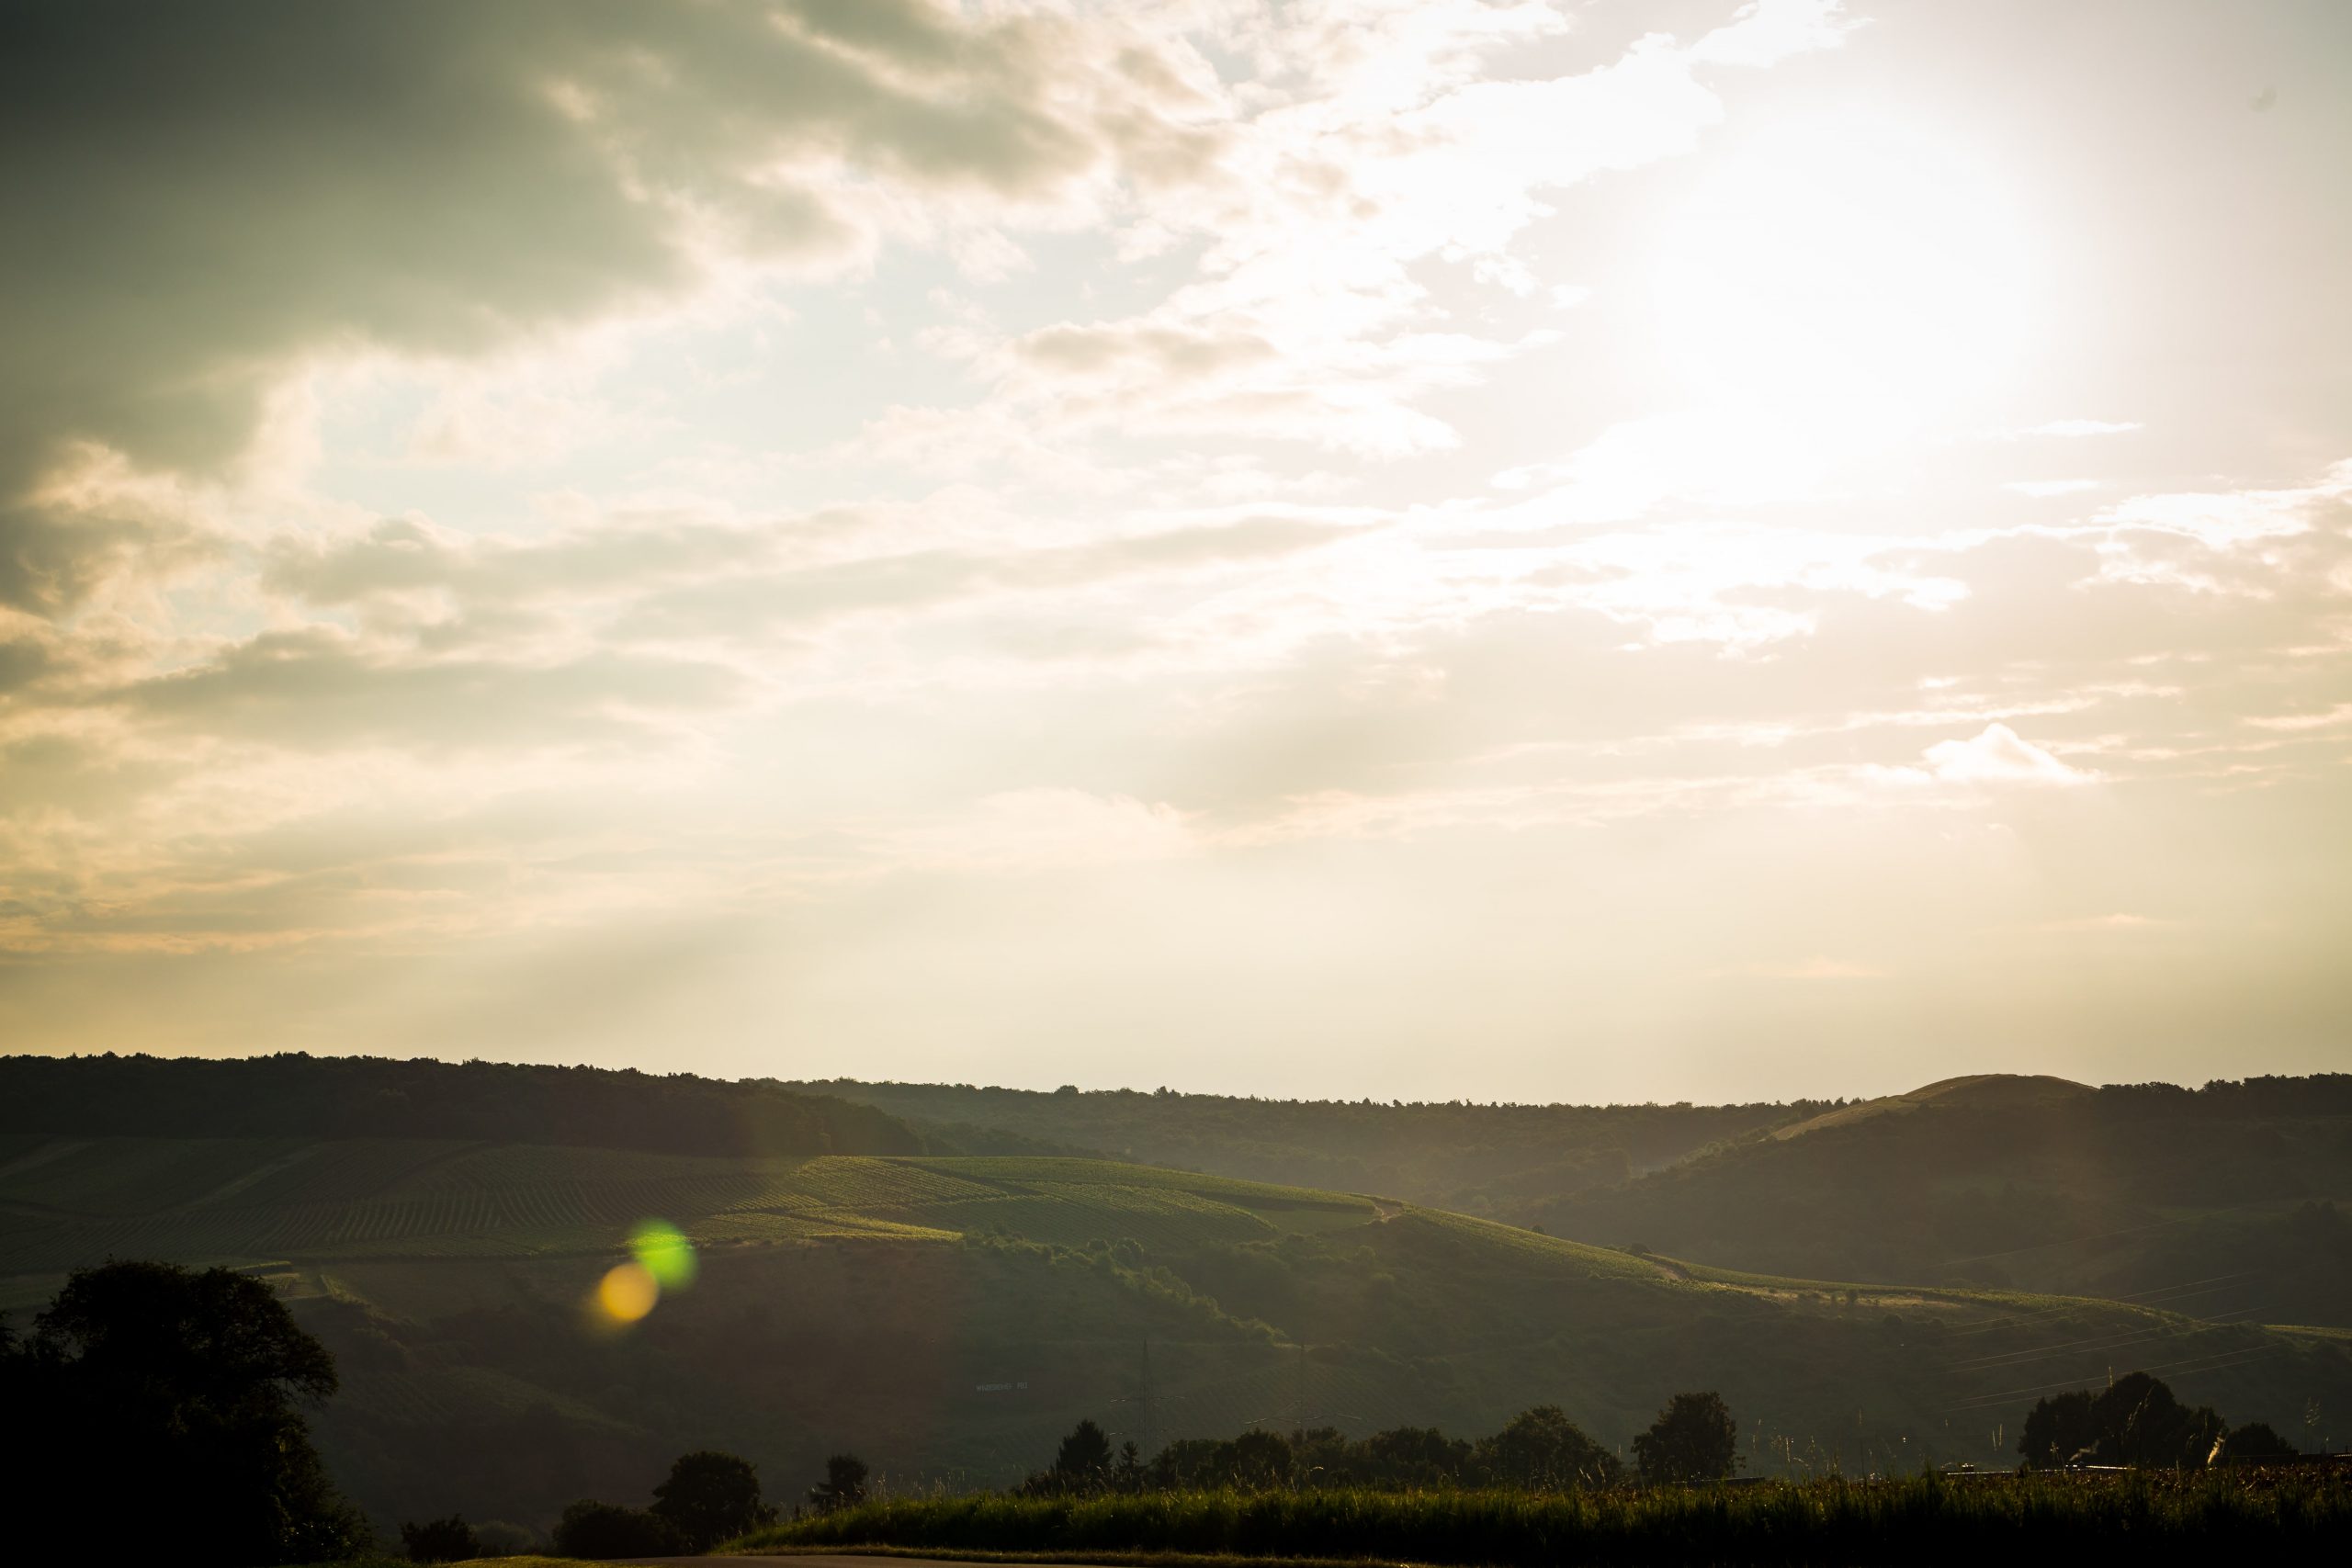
(2221, 1361)
(2112, 1339)
(2154, 1298)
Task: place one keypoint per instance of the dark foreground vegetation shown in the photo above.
(149, 1399)
(1542, 1490)
(2239, 1514)
(163, 1399)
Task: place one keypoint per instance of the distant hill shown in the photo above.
(1983, 1092)
(1485, 1159)
(2241, 1190)
(2232, 1197)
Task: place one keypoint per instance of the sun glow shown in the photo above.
(1853, 264)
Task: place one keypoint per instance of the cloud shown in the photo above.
(2041, 490)
(543, 467)
(449, 178)
(2218, 520)
(1815, 968)
(1306, 320)
(1999, 756)
(2326, 719)
(1766, 32)
(1044, 830)
(2116, 922)
(317, 689)
(2074, 429)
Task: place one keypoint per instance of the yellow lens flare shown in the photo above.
(663, 1250)
(626, 1292)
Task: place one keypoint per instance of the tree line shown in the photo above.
(1694, 1439)
(296, 1095)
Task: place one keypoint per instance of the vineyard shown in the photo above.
(64, 1202)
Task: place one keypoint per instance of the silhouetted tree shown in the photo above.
(1260, 1459)
(598, 1530)
(1542, 1448)
(843, 1486)
(440, 1540)
(1128, 1474)
(1414, 1456)
(2059, 1431)
(187, 1385)
(1693, 1439)
(711, 1498)
(2256, 1439)
(1084, 1457)
(2136, 1420)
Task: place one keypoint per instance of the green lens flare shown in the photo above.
(663, 1250)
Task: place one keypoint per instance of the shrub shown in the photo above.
(843, 1486)
(593, 1530)
(2135, 1421)
(1693, 1439)
(2256, 1439)
(1543, 1450)
(440, 1540)
(499, 1539)
(711, 1498)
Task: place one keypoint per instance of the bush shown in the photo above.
(844, 1485)
(1693, 1439)
(2256, 1440)
(711, 1498)
(2134, 1421)
(440, 1540)
(597, 1531)
(1542, 1450)
(499, 1539)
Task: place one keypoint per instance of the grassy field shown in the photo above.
(2152, 1516)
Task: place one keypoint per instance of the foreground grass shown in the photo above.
(1922, 1519)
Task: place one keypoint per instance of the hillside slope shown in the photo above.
(1979, 1092)
(2232, 1197)
(1490, 1159)
(947, 1317)
(2129, 1192)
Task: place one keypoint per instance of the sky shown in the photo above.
(1515, 550)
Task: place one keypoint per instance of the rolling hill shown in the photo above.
(2238, 1189)
(948, 1317)
(2229, 1200)
(1473, 1158)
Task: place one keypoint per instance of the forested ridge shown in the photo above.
(353, 1096)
